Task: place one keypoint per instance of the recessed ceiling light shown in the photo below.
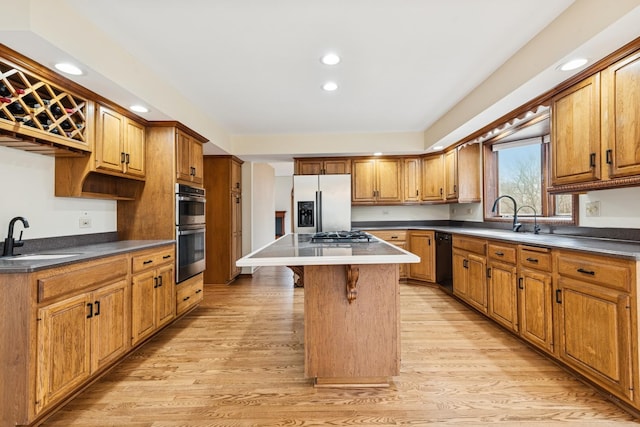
(437, 147)
(330, 86)
(139, 109)
(330, 59)
(572, 64)
(377, 153)
(67, 68)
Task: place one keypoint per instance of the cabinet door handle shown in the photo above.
(589, 272)
(465, 263)
(155, 282)
(499, 253)
(488, 272)
(455, 188)
(97, 313)
(428, 242)
(520, 283)
(159, 281)
(122, 157)
(592, 160)
(416, 193)
(533, 260)
(90, 315)
(609, 156)
(126, 156)
(441, 191)
(559, 296)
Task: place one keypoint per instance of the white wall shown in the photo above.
(619, 208)
(258, 208)
(27, 189)
(283, 188)
(399, 213)
(466, 212)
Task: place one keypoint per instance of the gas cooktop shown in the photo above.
(341, 236)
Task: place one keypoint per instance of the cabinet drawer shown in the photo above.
(151, 259)
(502, 252)
(615, 273)
(536, 258)
(389, 235)
(79, 277)
(189, 293)
(470, 244)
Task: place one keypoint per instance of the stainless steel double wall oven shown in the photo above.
(190, 231)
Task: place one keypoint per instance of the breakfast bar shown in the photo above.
(351, 306)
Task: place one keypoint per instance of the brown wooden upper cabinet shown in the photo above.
(575, 133)
(451, 175)
(188, 159)
(376, 181)
(433, 178)
(412, 178)
(622, 87)
(594, 134)
(120, 143)
(462, 174)
(323, 166)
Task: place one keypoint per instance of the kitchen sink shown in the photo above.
(39, 257)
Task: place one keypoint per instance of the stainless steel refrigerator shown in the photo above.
(321, 203)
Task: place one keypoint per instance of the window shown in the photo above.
(519, 168)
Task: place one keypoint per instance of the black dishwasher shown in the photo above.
(444, 275)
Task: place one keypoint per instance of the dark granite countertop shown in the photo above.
(617, 247)
(25, 264)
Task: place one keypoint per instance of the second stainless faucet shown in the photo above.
(516, 224)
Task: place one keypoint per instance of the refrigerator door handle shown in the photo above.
(318, 210)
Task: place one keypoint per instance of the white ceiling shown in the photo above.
(253, 66)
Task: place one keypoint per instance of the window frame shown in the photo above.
(490, 167)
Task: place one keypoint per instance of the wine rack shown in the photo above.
(38, 109)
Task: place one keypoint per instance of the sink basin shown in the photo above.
(38, 257)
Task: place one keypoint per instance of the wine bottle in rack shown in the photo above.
(4, 91)
(55, 110)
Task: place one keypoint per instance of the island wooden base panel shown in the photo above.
(238, 360)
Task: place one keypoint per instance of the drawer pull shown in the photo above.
(185, 298)
(198, 291)
(533, 260)
(166, 257)
(589, 272)
(149, 261)
(394, 237)
(499, 253)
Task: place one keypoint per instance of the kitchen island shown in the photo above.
(351, 306)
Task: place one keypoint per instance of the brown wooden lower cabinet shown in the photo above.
(593, 303)
(68, 324)
(153, 293)
(470, 271)
(423, 244)
(502, 289)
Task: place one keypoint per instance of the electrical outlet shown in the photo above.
(593, 208)
(469, 211)
(85, 222)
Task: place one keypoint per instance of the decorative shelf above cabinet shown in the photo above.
(36, 112)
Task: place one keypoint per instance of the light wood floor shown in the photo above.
(238, 360)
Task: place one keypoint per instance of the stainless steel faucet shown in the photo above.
(10, 242)
(516, 224)
(536, 227)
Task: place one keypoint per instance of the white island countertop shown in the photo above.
(297, 249)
